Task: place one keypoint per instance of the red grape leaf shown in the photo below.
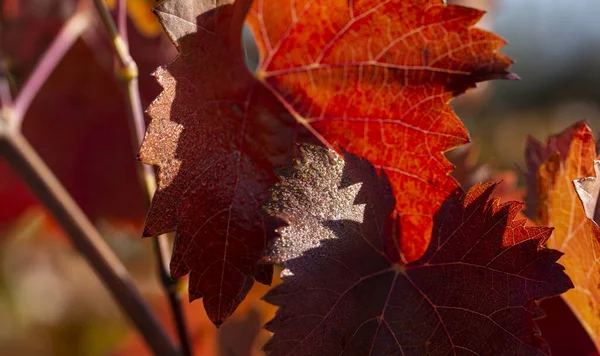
(216, 135)
(376, 77)
(372, 76)
(552, 168)
(472, 292)
(13, 190)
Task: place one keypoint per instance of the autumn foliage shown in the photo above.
(328, 160)
(374, 78)
(553, 167)
(473, 289)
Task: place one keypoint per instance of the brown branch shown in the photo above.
(5, 97)
(122, 20)
(50, 192)
(146, 174)
(85, 237)
(118, 44)
(6, 101)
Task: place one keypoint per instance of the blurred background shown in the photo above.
(556, 48)
(51, 302)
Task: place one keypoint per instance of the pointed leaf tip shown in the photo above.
(512, 76)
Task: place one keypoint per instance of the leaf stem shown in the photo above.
(146, 174)
(85, 237)
(70, 32)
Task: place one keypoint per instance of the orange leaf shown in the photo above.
(140, 13)
(376, 77)
(552, 169)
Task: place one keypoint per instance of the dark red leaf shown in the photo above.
(472, 293)
(563, 331)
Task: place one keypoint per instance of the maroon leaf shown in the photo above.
(473, 292)
(216, 135)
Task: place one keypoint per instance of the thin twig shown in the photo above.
(5, 95)
(70, 32)
(172, 288)
(122, 20)
(48, 189)
(146, 174)
(85, 237)
(118, 44)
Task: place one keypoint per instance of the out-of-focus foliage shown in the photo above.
(552, 168)
(78, 120)
(141, 16)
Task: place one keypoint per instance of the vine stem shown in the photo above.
(84, 235)
(128, 75)
(122, 20)
(5, 96)
(55, 197)
(6, 100)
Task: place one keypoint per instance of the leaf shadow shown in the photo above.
(216, 135)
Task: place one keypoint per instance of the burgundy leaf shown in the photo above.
(473, 292)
